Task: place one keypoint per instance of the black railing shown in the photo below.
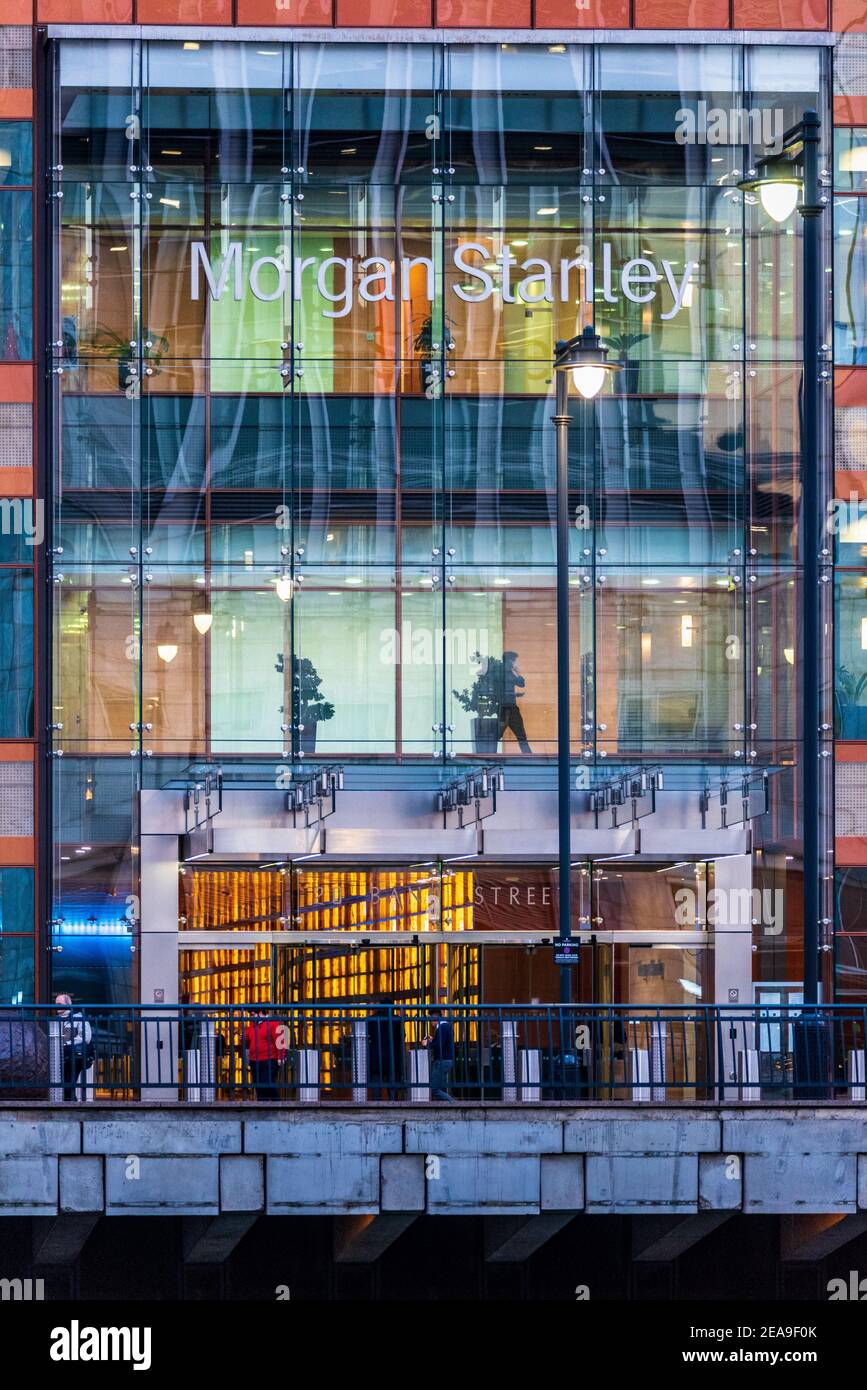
(500, 1054)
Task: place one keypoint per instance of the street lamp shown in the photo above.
(778, 186)
(586, 360)
(778, 183)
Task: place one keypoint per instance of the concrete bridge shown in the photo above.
(377, 1169)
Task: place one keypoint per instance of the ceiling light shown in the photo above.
(202, 616)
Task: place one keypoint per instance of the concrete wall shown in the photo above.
(625, 1160)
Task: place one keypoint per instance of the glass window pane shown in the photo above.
(16, 901)
(16, 152)
(16, 653)
(16, 276)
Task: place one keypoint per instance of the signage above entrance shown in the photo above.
(337, 279)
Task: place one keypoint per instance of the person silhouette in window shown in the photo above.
(512, 692)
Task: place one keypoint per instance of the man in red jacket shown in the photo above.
(263, 1046)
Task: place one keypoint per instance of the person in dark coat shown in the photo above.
(512, 691)
(441, 1047)
(385, 1054)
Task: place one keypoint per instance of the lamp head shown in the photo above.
(587, 360)
(777, 185)
(202, 616)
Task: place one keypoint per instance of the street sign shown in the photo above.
(567, 952)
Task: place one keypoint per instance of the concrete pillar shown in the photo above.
(159, 1040)
(733, 939)
(362, 1239)
(733, 973)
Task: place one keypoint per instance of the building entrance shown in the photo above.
(435, 934)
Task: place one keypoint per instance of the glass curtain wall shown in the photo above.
(306, 300)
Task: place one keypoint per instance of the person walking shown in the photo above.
(441, 1046)
(511, 693)
(263, 1045)
(76, 1036)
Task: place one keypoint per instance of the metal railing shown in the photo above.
(498, 1054)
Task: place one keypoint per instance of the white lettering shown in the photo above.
(385, 274)
(462, 265)
(255, 269)
(232, 261)
(677, 290)
(342, 297)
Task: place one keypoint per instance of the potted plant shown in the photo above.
(483, 699)
(113, 347)
(309, 708)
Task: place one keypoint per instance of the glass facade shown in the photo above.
(305, 304)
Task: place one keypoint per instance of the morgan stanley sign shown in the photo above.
(534, 281)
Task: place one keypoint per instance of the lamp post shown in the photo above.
(585, 359)
(778, 183)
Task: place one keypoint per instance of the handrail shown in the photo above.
(360, 1052)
